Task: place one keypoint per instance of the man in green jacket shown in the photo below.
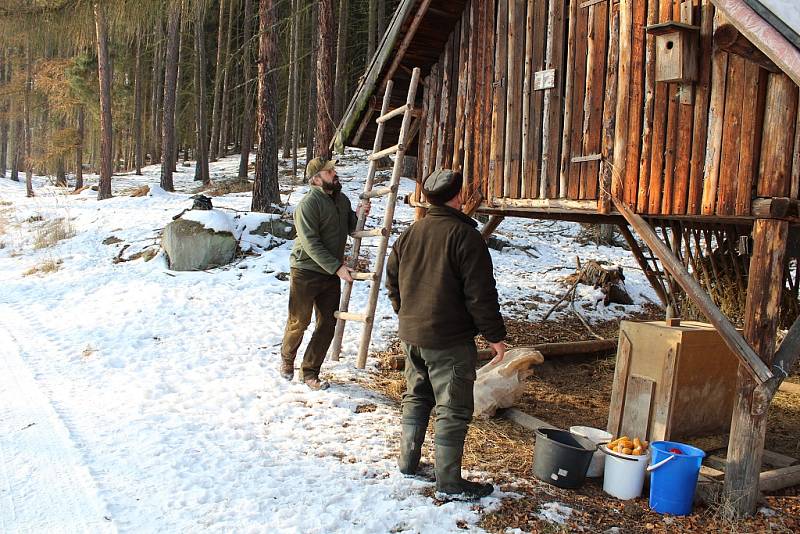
(323, 220)
(440, 282)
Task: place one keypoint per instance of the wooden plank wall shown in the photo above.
(736, 137)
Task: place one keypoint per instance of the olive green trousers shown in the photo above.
(310, 290)
(440, 378)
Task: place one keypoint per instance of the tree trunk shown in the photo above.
(16, 150)
(381, 21)
(226, 78)
(311, 115)
(340, 87)
(79, 150)
(106, 128)
(218, 83)
(168, 148)
(287, 125)
(5, 117)
(28, 143)
(137, 107)
(247, 124)
(265, 188)
(325, 126)
(201, 126)
(295, 85)
(156, 99)
(372, 28)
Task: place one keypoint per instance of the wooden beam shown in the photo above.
(525, 420)
(489, 228)
(748, 358)
(729, 39)
(404, 44)
(779, 478)
(774, 208)
(763, 35)
(366, 87)
(638, 254)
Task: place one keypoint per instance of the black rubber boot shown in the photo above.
(411, 439)
(449, 484)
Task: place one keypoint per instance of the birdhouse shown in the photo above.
(676, 51)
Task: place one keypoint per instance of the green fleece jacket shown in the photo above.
(323, 223)
(440, 282)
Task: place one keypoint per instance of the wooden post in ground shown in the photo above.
(749, 422)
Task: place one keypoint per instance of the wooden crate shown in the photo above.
(671, 382)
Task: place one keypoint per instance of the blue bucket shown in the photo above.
(673, 477)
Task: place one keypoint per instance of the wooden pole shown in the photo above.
(749, 422)
(623, 97)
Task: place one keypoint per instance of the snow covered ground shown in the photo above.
(138, 399)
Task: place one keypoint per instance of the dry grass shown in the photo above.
(45, 267)
(52, 232)
(237, 185)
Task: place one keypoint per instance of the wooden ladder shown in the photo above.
(383, 232)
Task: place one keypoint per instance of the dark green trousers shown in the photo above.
(310, 290)
(440, 378)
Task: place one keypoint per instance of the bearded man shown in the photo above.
(323, 220)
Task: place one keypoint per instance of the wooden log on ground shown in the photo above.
(779, 478)
(548, 350)
(523, 419)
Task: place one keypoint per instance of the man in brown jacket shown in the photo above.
(440, 282)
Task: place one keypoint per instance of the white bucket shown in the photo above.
(624, 474)
(597, 436)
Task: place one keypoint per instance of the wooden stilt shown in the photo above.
(749, 422)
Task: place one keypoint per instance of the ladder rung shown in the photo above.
(378, 192)
(386, 152)
(393, 113)
(363, 276)
(348, 316)
(377, 232)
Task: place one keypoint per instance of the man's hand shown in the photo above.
(499, 350)
(343, 272)
(364, 208)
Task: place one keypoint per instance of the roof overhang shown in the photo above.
(759, 30)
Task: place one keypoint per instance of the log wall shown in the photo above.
(525, 102)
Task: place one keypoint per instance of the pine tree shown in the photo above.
(265, 188)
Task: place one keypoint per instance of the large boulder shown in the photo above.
(190, 246)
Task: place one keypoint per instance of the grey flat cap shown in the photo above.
(442, 185)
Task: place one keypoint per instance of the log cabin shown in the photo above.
(675, 120)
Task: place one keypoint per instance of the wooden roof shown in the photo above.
(414, 37)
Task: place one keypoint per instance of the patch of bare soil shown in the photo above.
(576, 391)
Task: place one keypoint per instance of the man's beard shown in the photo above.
(334, 187)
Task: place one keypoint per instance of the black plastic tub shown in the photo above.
(561, 458)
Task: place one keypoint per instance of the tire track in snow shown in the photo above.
(47, 484)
